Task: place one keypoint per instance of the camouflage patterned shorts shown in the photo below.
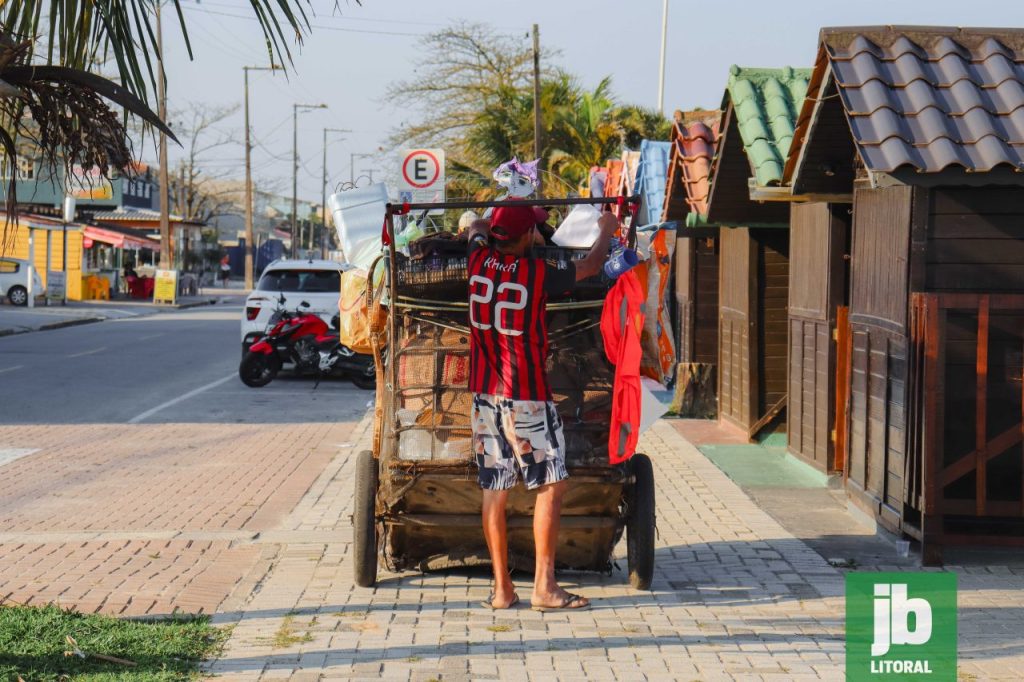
(513, 438)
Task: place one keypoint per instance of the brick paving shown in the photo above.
(148, 519)
(252, 521)
(735, 597)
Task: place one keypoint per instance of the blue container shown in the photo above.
(620, 261)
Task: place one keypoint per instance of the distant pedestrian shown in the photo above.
(225, 270)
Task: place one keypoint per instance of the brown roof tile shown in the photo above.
(694, 137)
(927, 98)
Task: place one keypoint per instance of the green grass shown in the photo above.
(287, 635)
(33, 642)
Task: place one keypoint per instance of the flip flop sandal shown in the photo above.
(490, 603)
(566, 605)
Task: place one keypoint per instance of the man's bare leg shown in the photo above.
(546, 520)
(497, 544)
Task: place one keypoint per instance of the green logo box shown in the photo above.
(901, 626)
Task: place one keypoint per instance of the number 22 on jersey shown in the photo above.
(511, 298)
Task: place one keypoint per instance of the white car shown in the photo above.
(317, 282)
(14, 281)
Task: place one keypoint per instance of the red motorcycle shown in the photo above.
(304, 339)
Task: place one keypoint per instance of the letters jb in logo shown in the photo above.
(900, 626)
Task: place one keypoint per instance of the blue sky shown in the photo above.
(352, 54)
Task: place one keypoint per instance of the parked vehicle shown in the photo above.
(304, 340)
(316, 282)
(14, 280)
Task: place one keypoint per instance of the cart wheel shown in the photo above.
(640, 525)
(364, 541)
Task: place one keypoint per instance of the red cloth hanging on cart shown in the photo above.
(622, 320)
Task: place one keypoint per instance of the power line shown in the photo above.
(316, 26)
(343, 18)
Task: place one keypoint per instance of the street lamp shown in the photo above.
(352, 165)
(248, 177)
(296, 237)
(323, 196)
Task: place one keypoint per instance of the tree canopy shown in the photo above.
(49, 95)
(476, 101)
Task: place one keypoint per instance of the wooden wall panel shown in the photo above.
(772, 317)
(819, 243)
(697, 297)
(811, 412)
(705, 343)
(879, 287)
(736, 302)
(879, 270)
(809, 256)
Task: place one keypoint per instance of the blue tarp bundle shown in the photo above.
(651, 176)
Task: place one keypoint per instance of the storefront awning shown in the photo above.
(119, 239)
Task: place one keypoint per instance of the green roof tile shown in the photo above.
(766, 103)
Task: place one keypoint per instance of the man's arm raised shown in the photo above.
(591, 265)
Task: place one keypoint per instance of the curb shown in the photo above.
(89, 320)
(52, 325)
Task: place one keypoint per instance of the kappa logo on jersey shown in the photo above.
(493, 263)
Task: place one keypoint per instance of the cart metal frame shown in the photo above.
(426, 513)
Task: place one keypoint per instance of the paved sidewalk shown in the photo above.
(735, 597)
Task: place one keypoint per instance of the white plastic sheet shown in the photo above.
(651, 406)
(579, 230)
(358, 219)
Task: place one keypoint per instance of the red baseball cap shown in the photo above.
(513, 221)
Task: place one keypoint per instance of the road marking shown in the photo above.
(11, 369)
(88, 352)
(162, 406)
(8, 455)
(151, 336)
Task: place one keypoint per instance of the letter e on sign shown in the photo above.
(421, 175)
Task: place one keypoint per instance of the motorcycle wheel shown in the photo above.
(257, 370)
(367, 383)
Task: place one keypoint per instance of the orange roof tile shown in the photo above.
(613, 187)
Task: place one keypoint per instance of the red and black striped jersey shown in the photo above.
(508, 320)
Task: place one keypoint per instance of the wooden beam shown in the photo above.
(981, 408)
(772, 413)
(786, 194)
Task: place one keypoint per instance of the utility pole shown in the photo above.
(661, 70)
(165, 223)
(182, 193)
(323, 195)
(249, 269)
(537, 143)
(296, 237)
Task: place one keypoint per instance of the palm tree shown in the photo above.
(584, 134)
(581, 129)
(49, 95)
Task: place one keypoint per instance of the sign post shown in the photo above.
(421, 177)
(55, 285)
(165, 290)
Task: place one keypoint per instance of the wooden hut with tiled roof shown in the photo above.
(759, 113)
(925, 127)
(694, 136)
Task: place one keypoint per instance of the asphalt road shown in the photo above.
(173, 367)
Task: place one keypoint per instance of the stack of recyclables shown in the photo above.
(358, 219)
(433, 405)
